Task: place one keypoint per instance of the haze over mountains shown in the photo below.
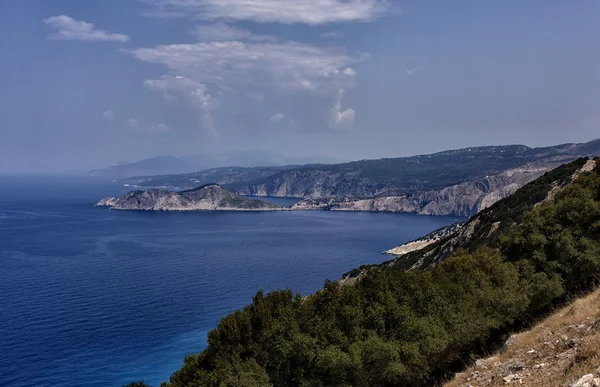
(163, 165)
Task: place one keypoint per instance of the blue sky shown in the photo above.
(84, 84)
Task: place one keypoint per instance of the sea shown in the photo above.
(91, 297)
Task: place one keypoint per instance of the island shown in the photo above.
(209, 197)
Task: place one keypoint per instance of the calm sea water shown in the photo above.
(93, 297)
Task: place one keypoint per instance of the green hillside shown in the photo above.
(414, 328)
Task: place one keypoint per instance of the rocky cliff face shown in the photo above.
(459, 182)
(208, 197)
(464, 199)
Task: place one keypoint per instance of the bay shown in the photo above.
(93, 297)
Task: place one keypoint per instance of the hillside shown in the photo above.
(559, 351)
(207, 197)
(484, 227)
(418, 327)
(221, 176)
(409, 175)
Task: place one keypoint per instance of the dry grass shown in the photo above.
(555, 352)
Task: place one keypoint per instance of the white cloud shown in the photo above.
(285, 65)
(341, 119)
(193, 93)
(277, 117)
(108, 114)
(162, 128)
(159, 128)
(333, 35)
(68, 28)
(414, 70)
(133, 123)
(277, 11)
(220, 31)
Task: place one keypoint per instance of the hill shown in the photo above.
(207, 197)
(221, 176)
(409, 175)
(417, 327)
(561, 350)
(488, 224)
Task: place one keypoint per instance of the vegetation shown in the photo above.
(491, 222)
(397, 328)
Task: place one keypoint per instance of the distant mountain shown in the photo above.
(153, 166)
(207, 197)
(168, 165)
(251, 158)
(225, 175)
(455, 182)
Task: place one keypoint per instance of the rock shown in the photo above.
(531, 352)
(598, 372)
(567, 342)
(584, 381)
(480, 362)
(596, 382)
(514, 378)
(596, 325)
(518, 366)
(511, 340)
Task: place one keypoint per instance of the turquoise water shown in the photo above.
(93, 297)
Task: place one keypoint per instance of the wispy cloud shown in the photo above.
(193, 93)
(414, 70)
(133, 123)
(285, 65)
(341, 119)
(277, 117)
(220, 31)
(108, 114)
(68, 28)
(161, 128)
(277, 11)
(333, 35)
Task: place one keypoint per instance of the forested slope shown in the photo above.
(418, 327)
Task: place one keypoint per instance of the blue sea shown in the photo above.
(98, 298)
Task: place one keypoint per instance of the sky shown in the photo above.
(86, 84)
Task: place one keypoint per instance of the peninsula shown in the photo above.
(209, 197)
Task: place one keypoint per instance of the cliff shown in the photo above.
(207, 197)
(459, 182)
(464, 199)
